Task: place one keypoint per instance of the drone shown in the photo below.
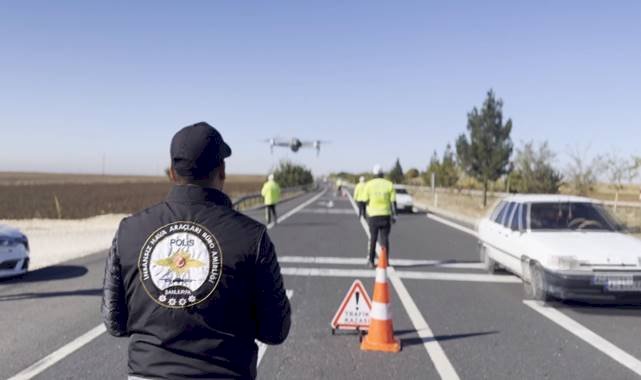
(295, 144)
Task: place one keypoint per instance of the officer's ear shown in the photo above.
(172, 174)
(222, 175)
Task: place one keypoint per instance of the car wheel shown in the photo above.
(488, 263)
(536, 289)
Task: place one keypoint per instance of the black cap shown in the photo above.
(197, 149)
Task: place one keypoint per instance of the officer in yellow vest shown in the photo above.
(360, 197)
(271, 194)
(381, 211)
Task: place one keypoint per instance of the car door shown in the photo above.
(490, 231)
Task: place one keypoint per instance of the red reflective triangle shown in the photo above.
(361, 322)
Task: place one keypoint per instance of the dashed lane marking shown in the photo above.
(298, 208)
(588, 336)
(363, 261)
(434, 350)
(262, 347)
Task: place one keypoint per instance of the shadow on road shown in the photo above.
(26, 296)
(621, 308)
(406, 342)
(52, 273)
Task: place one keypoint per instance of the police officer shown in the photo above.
(271, 195)
(381, 211)
(360, 197)
(190, 281)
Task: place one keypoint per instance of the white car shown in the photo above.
(14, 252)
(404, 201)
(563, 247)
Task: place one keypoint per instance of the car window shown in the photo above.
(401, 191)
(508, 213)
(497, 215)
(570, 216)
(523, 216)
(516, 218)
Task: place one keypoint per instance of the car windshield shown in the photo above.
(401, 191)
(571, 216)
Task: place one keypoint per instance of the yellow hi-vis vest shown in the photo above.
(380, 195)
(271, 193)
(359, 192)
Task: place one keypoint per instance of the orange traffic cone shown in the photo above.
(380, 336)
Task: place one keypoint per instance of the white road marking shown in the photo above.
(333, 211)
(436, 276)
(588, 336)
(298, 208)
(434, 350)
(452, 224)
(262, 347)
(363, 261)
(61, 353)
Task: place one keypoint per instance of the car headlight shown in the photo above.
(564, 262)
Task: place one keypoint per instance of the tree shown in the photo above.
(396, 174)
(581, 172)
(620, 171)
(448, 172)
(534, 171)
(412, 173)
(486, 155)
(289, 174)
(433, 168)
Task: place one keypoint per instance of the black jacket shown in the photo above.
(192, 283)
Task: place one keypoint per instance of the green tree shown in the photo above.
(433, 168)
(448, 172)
(534, 171)
(396, 174)
(411, 174)
(289, 174)
(486, 155)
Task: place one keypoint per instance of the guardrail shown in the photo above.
(255, 199)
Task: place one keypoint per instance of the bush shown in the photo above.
(289, 174)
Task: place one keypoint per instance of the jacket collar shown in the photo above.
(196, 194)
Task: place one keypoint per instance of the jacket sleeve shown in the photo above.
(114, 306)
(273, 311)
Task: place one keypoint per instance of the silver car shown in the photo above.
(14, 252)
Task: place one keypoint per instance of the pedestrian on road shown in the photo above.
(190, 281)
(339, 188)
(381, 211)
(271, 195)
(360, 197)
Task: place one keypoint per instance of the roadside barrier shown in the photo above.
(381, 330)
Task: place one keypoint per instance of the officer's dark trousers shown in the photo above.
(382, 225)
(361, 208)
(270, 214)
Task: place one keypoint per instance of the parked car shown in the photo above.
(14, 252)
(563, 247)
(404, 201)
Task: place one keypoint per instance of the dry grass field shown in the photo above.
(73, 196)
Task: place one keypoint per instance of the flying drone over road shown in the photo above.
(295, 144)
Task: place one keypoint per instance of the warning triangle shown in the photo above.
(353, 313)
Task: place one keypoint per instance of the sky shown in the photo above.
(83, 81)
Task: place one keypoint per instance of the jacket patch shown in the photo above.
(180, 265)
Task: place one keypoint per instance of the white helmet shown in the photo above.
(377, 170)
(362, 179)
(270, 177)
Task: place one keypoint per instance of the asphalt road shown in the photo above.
(453, 320)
